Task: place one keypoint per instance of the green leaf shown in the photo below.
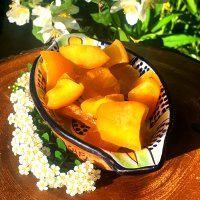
(148, 36)
(116, 19)
(157, 9)
(65, 8)
(192, 6)
(29, 66)
(138, 27)
(160, 1)
(178, 4)
(122, 35)
(145, 24)
(58, 155)
(35, 32)
(179, 40)
(61, 144)
(102, 17)
(77, 162)
(163, 22)
(45, 136)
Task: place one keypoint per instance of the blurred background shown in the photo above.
(173, 25)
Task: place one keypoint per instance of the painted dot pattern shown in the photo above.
(161, 108)
(41, 81)
(54, 46)
(141, 66)
(79, 127)
(159, 134)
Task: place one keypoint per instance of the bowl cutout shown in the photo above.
(148, 159)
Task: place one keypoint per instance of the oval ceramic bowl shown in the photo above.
(150, 158)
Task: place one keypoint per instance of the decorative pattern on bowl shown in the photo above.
(70, 131)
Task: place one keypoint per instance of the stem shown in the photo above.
(99, 5)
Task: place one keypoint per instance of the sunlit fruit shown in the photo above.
(85, 56)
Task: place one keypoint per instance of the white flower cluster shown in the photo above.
(49, 24)
(55, 18)
(18, 13)
(33, 156)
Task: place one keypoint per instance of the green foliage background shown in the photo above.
(176, 26)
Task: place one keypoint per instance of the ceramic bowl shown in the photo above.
(148, 159)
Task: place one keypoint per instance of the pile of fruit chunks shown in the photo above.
(100, 89)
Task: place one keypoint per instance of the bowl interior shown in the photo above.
(150, 157)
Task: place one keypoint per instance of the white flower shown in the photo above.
(11, 118)
(58, 3)
(62, 178)
(33, 155)
(23, 169)
(131, 9)
(71, 191)
(55, 169)
(49, 31)
(18, 14)
(37, 142)
(44, 16)
(40, 170)
(42, 184)
(22, 151)
(81, 179)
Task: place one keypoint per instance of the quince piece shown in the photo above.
(117, 53)
(120, 123)
(93, 137)
(146, 92)
(74, 111)
(146, 75)
(126, 75)
(85, 56)
(99, 82)
(90, 106)
(53, 66)
(65, 92)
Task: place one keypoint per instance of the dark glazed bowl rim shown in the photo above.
(90, 148)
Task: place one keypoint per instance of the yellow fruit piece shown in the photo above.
(65, 92)
(120, 123)
(146, 75)
(99, 82)
(146, 92)
(53, 66)
(126, 75)
(93, 137)
(74, 111)
(90, 106)
(117, 53)
(65, 76)
(85, 56)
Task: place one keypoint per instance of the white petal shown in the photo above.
(42, 21)
(41, 11)
(59, 25)
(18, 14)
(116, 7)
(132, 18)
(58, 3)
(46, 36)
